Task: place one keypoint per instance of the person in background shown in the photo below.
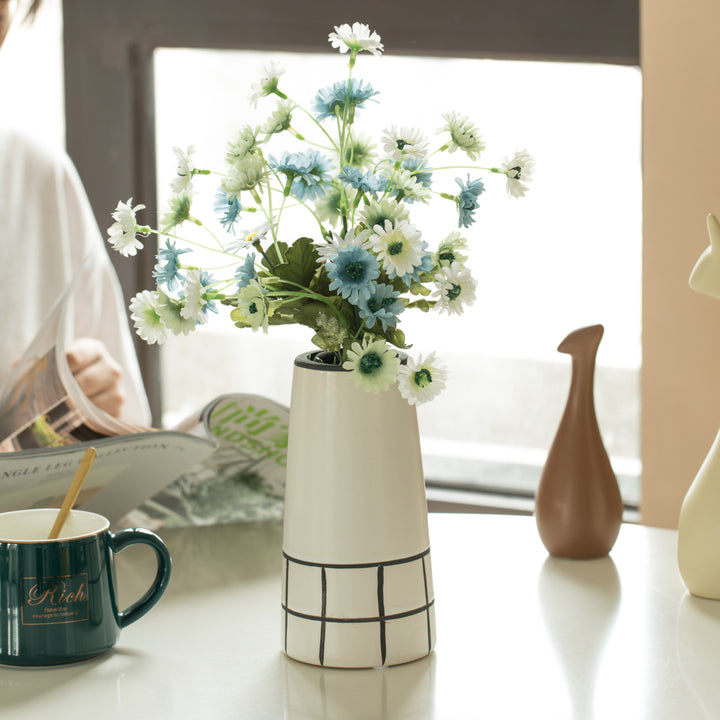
(47, 234)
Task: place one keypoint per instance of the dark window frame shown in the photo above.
(109, 93)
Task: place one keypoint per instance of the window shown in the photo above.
(110, 90)
(565, 256)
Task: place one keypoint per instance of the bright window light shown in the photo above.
(565, 256)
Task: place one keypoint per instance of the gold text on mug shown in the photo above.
(57, 594)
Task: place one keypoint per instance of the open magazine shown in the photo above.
(227, 462)
(244, 477)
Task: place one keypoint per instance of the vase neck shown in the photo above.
(581, 398)
(582, 346)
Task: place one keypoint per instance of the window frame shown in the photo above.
(108, 71)
(108, 52)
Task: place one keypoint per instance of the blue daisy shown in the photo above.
(466, 200)
(169, 272)
(246, 272)
(382, 306)
(331, 101)
(307, 172)
(364, 182)
(206, 280)
(228, 207)
(353, 272)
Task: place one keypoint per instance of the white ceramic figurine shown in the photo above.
(699, 523)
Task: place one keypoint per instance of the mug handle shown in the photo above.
(133, 536)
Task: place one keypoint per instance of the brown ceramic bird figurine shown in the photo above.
(578, 508)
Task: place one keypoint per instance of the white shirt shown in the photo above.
(47, 229)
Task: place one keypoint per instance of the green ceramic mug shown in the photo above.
(58, 598)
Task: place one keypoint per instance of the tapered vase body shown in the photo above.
(578, 507)
(699, 529)
(357, 581)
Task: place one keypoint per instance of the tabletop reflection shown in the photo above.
(570, 592)
(402, 692)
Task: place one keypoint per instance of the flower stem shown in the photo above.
(306, 292)
(164, 233)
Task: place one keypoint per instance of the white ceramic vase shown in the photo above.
(699, 529)
(357, 585)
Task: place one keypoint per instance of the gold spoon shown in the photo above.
(73, 492)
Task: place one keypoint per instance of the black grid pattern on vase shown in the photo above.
(377, 596)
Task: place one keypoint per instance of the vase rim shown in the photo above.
(307, 360)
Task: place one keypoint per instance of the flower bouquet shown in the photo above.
(365, 265)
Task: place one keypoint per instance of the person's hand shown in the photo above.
(97, 374)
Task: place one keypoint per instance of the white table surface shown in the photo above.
(520, 635)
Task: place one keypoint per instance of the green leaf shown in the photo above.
(423, 305)
(272, 256)
(332, 333)
(300, 263)
(419, 289)
(396, 337)
(287, 313)
(397, 283)
(321, 282)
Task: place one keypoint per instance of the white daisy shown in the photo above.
(374, 365)
(334, 203)
(421, 380)
(279, 119)
(518, 169)
(406, 185)
(405, 143)
(360, 150)
(351, 239)
(268, 83)
(145, 317)
(122, 231)
(244, 175)
(246, 238)
(355, 38)
(243, 144)
(252, 309)
(449, 250)
(194, 301)
(386, 209)
(170, 312)
(398, 247)
(464, 135)
(185, 168)
(455, 289)
(177, 212)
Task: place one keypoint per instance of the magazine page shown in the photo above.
(252, 433)
(35, 408)
(42, 404)
(127, 470)
(94, 417)
(242, 480)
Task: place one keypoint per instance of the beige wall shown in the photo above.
(681, 169)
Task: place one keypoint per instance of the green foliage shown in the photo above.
(424, 305)
(300, 263)
(417, 288)
(330, 317)
(396, 337)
